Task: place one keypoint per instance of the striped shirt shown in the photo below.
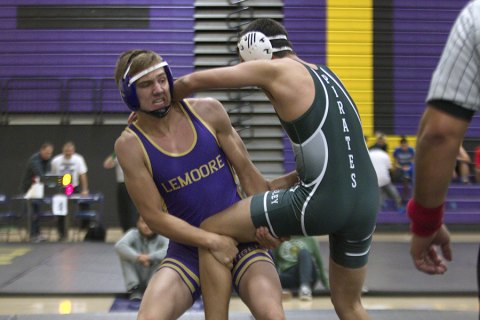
(456, 79)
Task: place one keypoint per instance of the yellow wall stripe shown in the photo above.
(350, 51)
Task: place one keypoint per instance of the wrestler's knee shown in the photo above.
(271, 313)
(354, 310)
(154, 314)
(145, 315)
(344, 303)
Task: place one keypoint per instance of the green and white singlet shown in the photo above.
(338, 191)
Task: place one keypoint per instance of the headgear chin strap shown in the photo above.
(257, 46)
(128, 89)
(159, 113)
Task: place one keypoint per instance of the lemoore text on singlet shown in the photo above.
(346, 132)
(194, 175)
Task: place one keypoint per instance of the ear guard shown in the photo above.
(257, 46)
(128, 90)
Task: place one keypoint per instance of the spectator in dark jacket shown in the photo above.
(38, 165)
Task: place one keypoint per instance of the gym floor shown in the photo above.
(33, 285)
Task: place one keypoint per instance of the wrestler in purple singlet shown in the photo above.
(195, 184)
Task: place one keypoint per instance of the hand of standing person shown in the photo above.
(429, 253)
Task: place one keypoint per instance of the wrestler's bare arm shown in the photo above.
(246, 74)
(285, 82)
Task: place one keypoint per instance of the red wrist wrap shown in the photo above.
(425, 221)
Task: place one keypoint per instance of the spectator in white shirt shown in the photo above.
(383, 166)
(71, 162)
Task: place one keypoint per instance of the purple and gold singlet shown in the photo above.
(194, 184)
(182, 178)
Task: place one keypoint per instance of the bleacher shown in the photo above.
(461, 207)
(59, 58)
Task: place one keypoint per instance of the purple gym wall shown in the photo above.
(72, 47)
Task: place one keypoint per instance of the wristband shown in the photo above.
(425, 221)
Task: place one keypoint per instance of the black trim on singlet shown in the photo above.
(452, 109)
